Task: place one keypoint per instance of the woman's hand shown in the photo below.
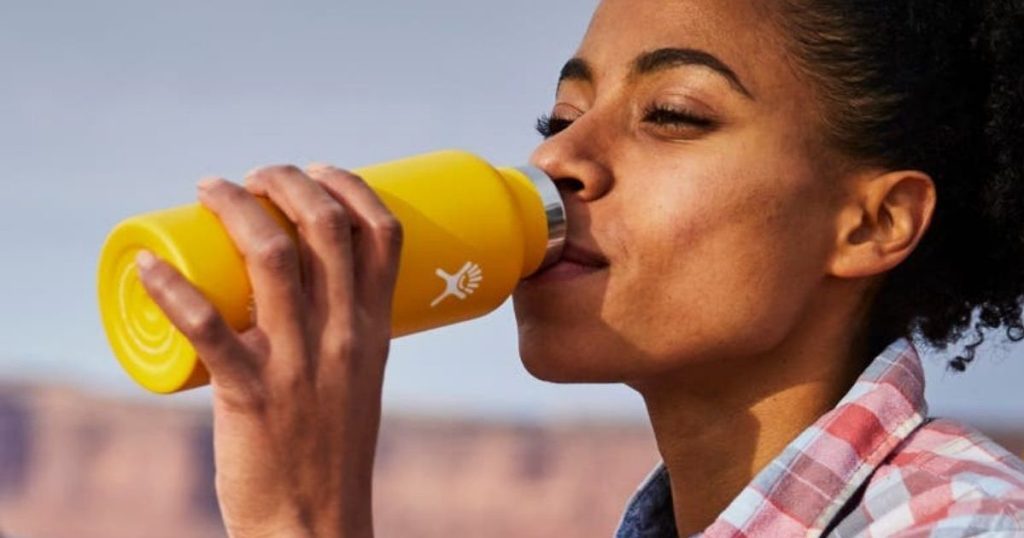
(296, 397)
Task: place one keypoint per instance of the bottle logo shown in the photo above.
(462, 284)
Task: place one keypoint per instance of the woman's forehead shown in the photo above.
(738, 32)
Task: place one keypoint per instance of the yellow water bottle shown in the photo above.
(471, 233)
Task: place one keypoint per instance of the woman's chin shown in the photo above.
(545, 369)
(558, 343)
(556, 363)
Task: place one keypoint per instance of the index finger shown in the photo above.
(378, 247)
(215, 343)
(270, 254)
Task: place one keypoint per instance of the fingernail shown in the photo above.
(316, 166)
(205, 183)
(145, 260)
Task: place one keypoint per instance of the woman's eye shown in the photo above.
(549, 126)
(670, 117)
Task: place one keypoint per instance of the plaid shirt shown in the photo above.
(872, 466)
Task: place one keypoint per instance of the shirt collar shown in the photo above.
(804, 488)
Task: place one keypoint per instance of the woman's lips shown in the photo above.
(575, 252)
(576, 261)
(562, 271)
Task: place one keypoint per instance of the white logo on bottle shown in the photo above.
(462, 284)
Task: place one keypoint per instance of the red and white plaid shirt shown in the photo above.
(872, 466)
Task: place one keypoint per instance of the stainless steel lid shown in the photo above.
(554, 209)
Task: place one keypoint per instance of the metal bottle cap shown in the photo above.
(554, 210)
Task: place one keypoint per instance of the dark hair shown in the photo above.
(935, 86)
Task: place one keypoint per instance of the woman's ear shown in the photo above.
(881, 223)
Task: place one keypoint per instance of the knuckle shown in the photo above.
(158, 282)
(203, 325)
(219, 186)
(212, 182)
(291, 380)
(333, 218)
(390, 229)
(387, 225)
(277, 253)
(333, 172)
(283, 170)
(227, 191)
(273, 172)
(339, 346)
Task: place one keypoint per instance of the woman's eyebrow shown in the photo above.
(660, 60)
(576, 69)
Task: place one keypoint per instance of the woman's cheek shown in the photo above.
(763, 268)
(711, 274)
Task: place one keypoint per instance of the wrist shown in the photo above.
(326, 526)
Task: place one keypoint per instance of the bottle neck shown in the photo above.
(543, 214)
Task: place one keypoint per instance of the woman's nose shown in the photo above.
(575, 162)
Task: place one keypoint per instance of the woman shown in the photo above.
(765, 198)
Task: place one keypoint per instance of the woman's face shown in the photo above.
(687, 154)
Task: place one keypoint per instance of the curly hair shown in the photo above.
(935, 86)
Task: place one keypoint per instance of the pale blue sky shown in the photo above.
(112, 108)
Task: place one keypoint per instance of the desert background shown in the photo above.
(74, 465)
(77, 465)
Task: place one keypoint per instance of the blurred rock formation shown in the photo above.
(79, 466)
